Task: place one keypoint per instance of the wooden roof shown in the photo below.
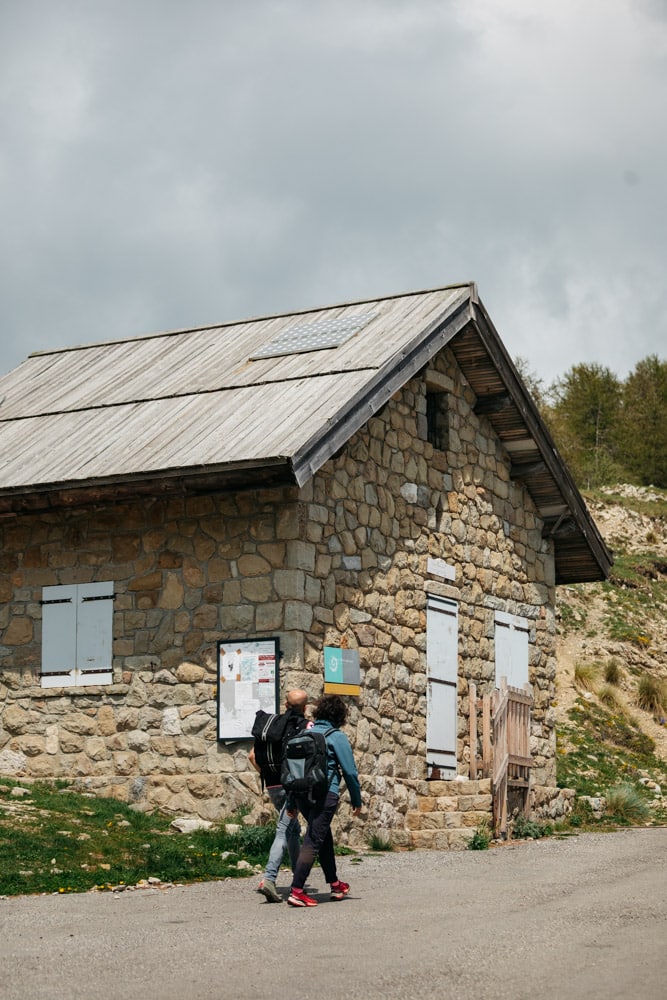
(201, 409)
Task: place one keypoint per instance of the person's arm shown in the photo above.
(253, 762)
(343, 751)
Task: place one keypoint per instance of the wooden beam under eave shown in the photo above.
(492, 403)
(521, 470)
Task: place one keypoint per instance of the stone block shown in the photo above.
(138, 740)
(458, 840)
(152, 581)
(19, 632)
(190, 673)
(125, 762)
(298, 616)
(13, 762)
(433, 821)
(16, 720)
(106, 720)
(204, 786)
(44, 766)
(289, 583)
(80, 723)
(423, 838)
(257, 590)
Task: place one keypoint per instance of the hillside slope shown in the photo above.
(623, 620)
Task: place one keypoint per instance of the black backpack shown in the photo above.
(270, 732)
(304, 770)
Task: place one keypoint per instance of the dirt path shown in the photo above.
(576, 918)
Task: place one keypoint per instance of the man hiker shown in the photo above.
(330, 713)
(288, 830)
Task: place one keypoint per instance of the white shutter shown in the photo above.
(511, 642)
(59, 629)
(94, 626)
(442, 639)
(77, 634)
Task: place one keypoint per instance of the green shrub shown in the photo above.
(523, 828)
(582, 813)
(625, 803)
(481, 838)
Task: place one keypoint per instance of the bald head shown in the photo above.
(297, 699)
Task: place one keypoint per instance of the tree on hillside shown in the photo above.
(532, 381)
(642, 431)
(584, 420)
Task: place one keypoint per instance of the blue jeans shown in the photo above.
(288, 834)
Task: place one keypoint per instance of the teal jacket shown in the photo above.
(340, 761)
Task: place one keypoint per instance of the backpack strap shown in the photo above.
(332, 729)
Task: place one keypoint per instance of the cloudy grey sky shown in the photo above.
(167, 164)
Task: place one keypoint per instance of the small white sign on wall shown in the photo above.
(438, 567)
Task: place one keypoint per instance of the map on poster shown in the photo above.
(247, 681)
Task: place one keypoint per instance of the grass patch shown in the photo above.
(586, 676)
(635, 594)
(569, 619)
(626, 805)
(599, 749)
(610, 698)
(613, 672)
(63, 841)
(377, 842)
(652, 695)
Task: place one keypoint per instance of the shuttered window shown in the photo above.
(511, 641)
(77, 634)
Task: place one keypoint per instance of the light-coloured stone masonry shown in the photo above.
(341, 561)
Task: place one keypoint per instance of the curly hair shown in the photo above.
(332, 708)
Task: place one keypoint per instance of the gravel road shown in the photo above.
(581, 917)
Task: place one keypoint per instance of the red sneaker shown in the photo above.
(339, 889)
(297, 897)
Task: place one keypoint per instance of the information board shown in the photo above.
(248, 679)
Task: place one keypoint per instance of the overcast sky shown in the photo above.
(168, 164)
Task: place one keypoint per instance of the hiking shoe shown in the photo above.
(339, 889)
(269, 890)
(297, 897)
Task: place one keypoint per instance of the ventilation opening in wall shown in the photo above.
(437, 420)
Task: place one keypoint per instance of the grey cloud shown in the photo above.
(169, 165)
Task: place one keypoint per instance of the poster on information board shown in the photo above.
(248, 679)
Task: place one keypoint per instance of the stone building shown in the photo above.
(372, 476)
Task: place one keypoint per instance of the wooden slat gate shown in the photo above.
(506, 755)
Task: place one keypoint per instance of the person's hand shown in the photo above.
(356, 810)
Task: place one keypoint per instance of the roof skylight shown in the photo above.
(319, 335)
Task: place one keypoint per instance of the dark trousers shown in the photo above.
(318, 840)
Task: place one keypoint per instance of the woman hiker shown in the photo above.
(330, 713)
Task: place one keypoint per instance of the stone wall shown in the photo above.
(341, 561)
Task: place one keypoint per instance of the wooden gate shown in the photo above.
(506, 755)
